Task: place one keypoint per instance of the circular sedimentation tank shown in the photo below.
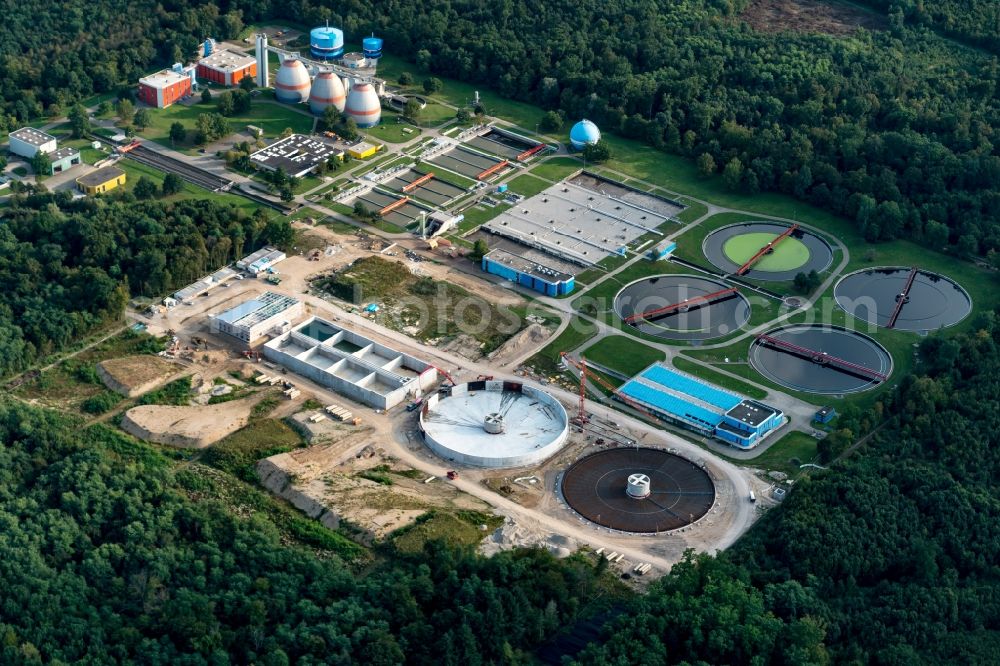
(494, 424)
(326, 43)
(363, 105)
(732, 246)
(694, 319)
(583, 134)
(932, 301)
(822, 359)
(638, 490)
(327, 90)
(292, 83)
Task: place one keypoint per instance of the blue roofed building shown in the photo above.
(697, 405)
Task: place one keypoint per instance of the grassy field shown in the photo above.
(477, 215)
(528, 185)
(719, 379)
(623, 354)
(457, 529)
(133, 171)
(270, 116)
(693, 211)
(557, 168)
(392, 129)
(579, 331)
(786, 454)
(238, 453)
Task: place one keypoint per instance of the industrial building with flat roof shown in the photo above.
(576, 223)
(257, 317)
(227, 68)
(261, 260)
(164, 88)
(203, 285)
(28, 142)
(102, 180)
(63, 159)
(351, 364)
(296, 155)
(527, 273)
(697, 405)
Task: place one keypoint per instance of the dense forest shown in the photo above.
(108, 559)
(890, 558)
(894, 129)
(114, 555)
(71, 266)
(973, 21)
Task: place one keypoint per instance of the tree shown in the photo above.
(225, 105)
(330, 118)
(412, 109)
(706, 165)
(78, 121)
(479, 249)
(104, 109)
(405, 79)
(597, 152)
(287, 132)
(145, 188)
(177, 133)
(349, 129)
(463, 116)
(41, 164)
(552, 121)
(732, 175)
(423, 59)
(247, 84)
(172, 184)
(361, 211)
(142, 118)
(432, 85)
(125, 110)
(206, 96)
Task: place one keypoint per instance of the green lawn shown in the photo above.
(134, 171)
(271, 117)
(577, 332)
(528, 185)
(557, 168)
(719, 379)
(693, 211)
(477, 215)
(392, 129)
(623, 354)
(786, 454)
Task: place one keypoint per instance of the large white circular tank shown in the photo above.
(292, 83)
(363, 105)
(494, 424)
(326, 90)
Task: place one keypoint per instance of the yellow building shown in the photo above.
(361, 150)
(102, 180)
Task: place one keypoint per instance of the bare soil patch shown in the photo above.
(191, 427)
(132, 376)
(816, 16)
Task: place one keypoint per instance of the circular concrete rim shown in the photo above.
(767, 276)
(954, 282)
(561, 479)
(709, 278)
(861, 389)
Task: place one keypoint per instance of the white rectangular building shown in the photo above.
(28, 142)
(253, 319)
(261, 260)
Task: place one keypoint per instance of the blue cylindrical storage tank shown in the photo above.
(209, 43)
(372, 47)
(583, 134)
(326, 42)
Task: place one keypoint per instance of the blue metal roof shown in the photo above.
(684, 384)
(671, 405)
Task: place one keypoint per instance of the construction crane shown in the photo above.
(683, 306)
(902, 298)
(767, 249)
(581, 418)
